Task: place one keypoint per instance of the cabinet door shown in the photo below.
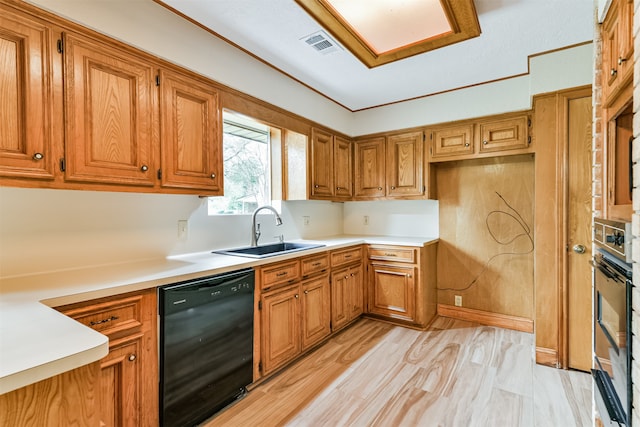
(343, 169)
(191, 134)
(452, 141)
(316, 310)
(356, 292)
(404, 165)
(339, 298)
(369, 167)
(392, 291)
(280, 328)
(321, 164)
(109, 110)
(507, 134)
(25, 90)
(121, 384)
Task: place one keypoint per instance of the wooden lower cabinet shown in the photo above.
(346, 296)
(128, 384)
(316, 310)
(392, 291)
(401, 283)
(293, 319)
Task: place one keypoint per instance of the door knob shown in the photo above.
(579, 249)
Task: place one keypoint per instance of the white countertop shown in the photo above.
(38, 342)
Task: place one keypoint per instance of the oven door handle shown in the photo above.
(607, 273)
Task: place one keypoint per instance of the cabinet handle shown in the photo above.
(484, 142)
(213, 176)
(346, 277)
(315, 264)
(390, 254)
(284, 273)
(108, 319)
(144, 168)
(621, 60)
(613, 72)
(466, 144)
(338, 188)
(316, 186)
(132, 357)
(306, 292)
(353, 274)
(297, 296)
(38, 156)
(409, 275)
(379, 188)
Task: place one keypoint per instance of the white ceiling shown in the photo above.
(512, 30)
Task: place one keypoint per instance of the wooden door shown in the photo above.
(191, 133)
(579, 233)
(121, 384)
(356, 292)
(280, 327)
(109, 111)
(369, 168)
(507, 134)
(404, 165)
(452, 141)
(343, 168)
(316, 310)
(25, 89)
(339, 298)
(321, 164)
(392, 292)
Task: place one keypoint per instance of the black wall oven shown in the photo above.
(612, 321)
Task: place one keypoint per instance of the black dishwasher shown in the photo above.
(206, 345)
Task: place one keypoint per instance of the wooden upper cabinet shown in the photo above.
(25, 90)
(452, 141)
(191, 131)
(507, 134)
(343, 168)
(321, 164)
(405, 164)
(617, 49)
(109, 111)
(370, 175)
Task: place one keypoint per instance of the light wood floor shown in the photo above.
(456, 374)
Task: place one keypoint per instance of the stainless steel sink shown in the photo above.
(272, 249)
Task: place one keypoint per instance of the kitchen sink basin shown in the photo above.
(272, 249)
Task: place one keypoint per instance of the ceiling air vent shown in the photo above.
(321, 42)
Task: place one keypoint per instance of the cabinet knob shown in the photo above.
(297, 296)
(379, 188)
(132, 357)
(485, 142)
(306, 292)
(213, 176)
(466, 144)
(338, 188)
(614, 72)
(144, 168)
(621, 60)
(38, 156)
(409, 275)
(316, 186)
(393, 187)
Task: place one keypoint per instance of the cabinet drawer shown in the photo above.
(452, 141)
(346, 256)
(393, 253)
(278, 274)
(315, 264)
(110, 317)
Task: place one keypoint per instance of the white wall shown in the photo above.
(417, 218)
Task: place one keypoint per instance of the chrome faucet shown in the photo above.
(255, 231)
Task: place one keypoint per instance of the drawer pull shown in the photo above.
(390, 254)
(132, 357)
(108, 319)
(284, 273)
(347, 256)
(316, 264)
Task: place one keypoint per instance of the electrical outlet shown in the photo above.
(366, 220)
(457, 300)
(306, 220)
(183, 229)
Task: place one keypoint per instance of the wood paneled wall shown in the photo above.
(485, 253)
